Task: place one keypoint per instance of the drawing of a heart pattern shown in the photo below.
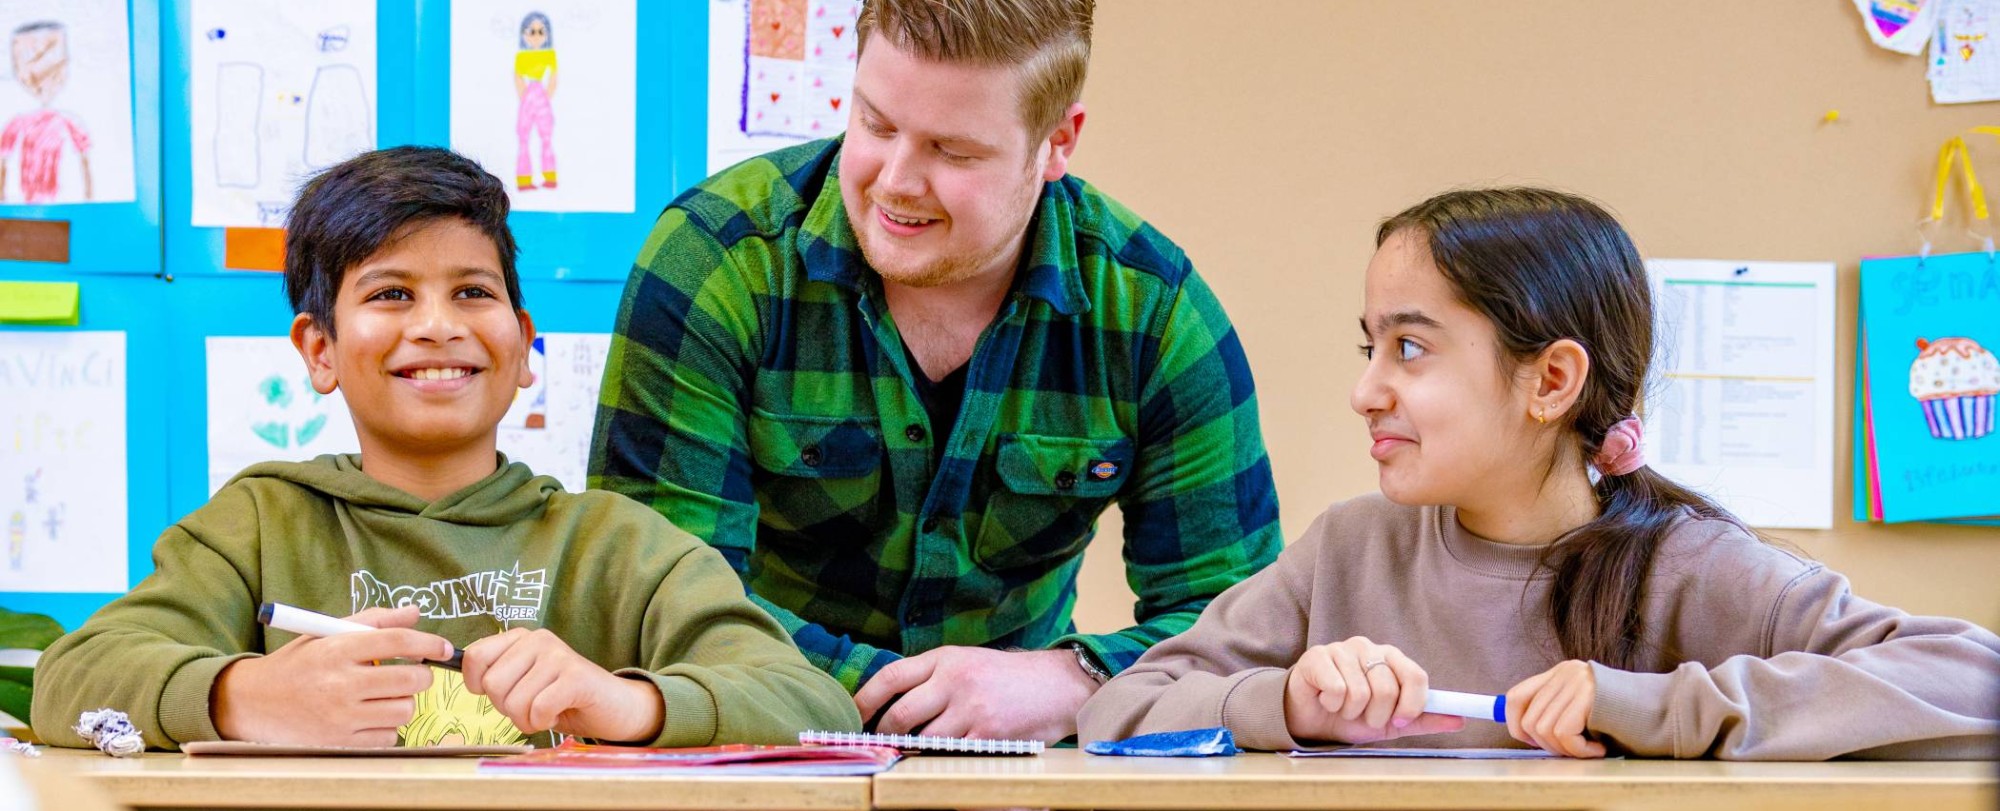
(1890, 16)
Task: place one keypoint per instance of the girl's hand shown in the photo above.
(1356, 691)
(1551, 710)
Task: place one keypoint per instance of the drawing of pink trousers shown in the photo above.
(534, 117)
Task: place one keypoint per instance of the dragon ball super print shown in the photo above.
(449, 715)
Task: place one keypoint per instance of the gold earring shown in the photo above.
(1542, 415)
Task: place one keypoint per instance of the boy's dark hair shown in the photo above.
(1543, 266)
(349, 212)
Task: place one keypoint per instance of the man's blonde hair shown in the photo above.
(1048, 41)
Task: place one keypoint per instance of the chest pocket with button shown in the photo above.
(1050, 491)
(812, 469)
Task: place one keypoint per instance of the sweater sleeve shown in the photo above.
(727, 671)
(1839, 676)
(1228, 670)
(155, 652)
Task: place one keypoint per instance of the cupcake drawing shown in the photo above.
(1954, 380)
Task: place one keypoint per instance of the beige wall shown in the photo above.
(1268, 137)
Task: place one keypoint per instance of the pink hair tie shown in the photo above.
(1622, 451)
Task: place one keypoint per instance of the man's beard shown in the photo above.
(950, 268)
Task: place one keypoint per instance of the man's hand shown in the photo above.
(537, 681)
(981, 693)
(1356, 691)
(329, 691)
(1551, 710)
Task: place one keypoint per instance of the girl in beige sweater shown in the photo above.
(1521, 546)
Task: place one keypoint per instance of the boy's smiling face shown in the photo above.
(429, 349)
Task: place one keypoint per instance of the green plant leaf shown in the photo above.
(14, 699)
(34, 631)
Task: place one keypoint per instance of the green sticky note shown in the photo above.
(41, 304)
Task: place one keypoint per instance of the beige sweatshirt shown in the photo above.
(1777, 659)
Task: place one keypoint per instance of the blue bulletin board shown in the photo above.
(117, 238)
(150, 272)
(131, 304)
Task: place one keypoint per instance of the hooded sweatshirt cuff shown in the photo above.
(689, 718)
(1633, 710)
(1254, 711)
(184, 703)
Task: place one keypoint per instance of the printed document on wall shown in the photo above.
(1740, 404)
(62, 461)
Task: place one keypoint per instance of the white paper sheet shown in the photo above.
(278, 91)
(589, 134)
(62, 461)
(1903, 26)
(66, 103)
(1741, 404)
(262, 407)
(569, 368)
(779, 72)
(1451, 754)
(1965, 52)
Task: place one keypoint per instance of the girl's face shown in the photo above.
(1449, 423)
(535, 33)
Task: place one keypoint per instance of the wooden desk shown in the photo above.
(1067, 778)
(157, 780)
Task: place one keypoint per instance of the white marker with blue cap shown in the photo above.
(1466, 705)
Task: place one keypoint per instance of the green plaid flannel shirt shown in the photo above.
(758, 395)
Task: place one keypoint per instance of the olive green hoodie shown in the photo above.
(618, 583)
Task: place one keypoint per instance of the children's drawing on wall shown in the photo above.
(801, 67)
(517, 98)
(1965, 55)
(261, 407)
(779, 74)
(277, 92)
(66, 104)
(534, 84)
(1954, 381)
(62, 461)
(549, 425)
(1903, 26)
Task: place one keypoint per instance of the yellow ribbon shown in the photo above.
(1954, 149)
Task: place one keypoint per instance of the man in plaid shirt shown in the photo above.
(896, 376)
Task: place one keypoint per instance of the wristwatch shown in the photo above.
(1089, 664)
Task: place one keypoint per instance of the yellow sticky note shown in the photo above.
(46, 304)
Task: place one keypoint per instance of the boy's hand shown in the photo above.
(1356, 691)
(329, 691)
(1551, 710)
(539, 683)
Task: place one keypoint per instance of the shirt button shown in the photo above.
(810, 456)
(1065, 480)
(914, 433)
(931, 524)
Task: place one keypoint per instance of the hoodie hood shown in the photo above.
(510, 494)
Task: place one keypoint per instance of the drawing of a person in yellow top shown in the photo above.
(447, 715)
(534, 85)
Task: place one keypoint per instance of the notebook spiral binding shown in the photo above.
(924, 743)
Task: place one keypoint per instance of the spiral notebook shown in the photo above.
(925, 743)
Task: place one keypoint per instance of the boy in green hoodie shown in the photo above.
(583, 613)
